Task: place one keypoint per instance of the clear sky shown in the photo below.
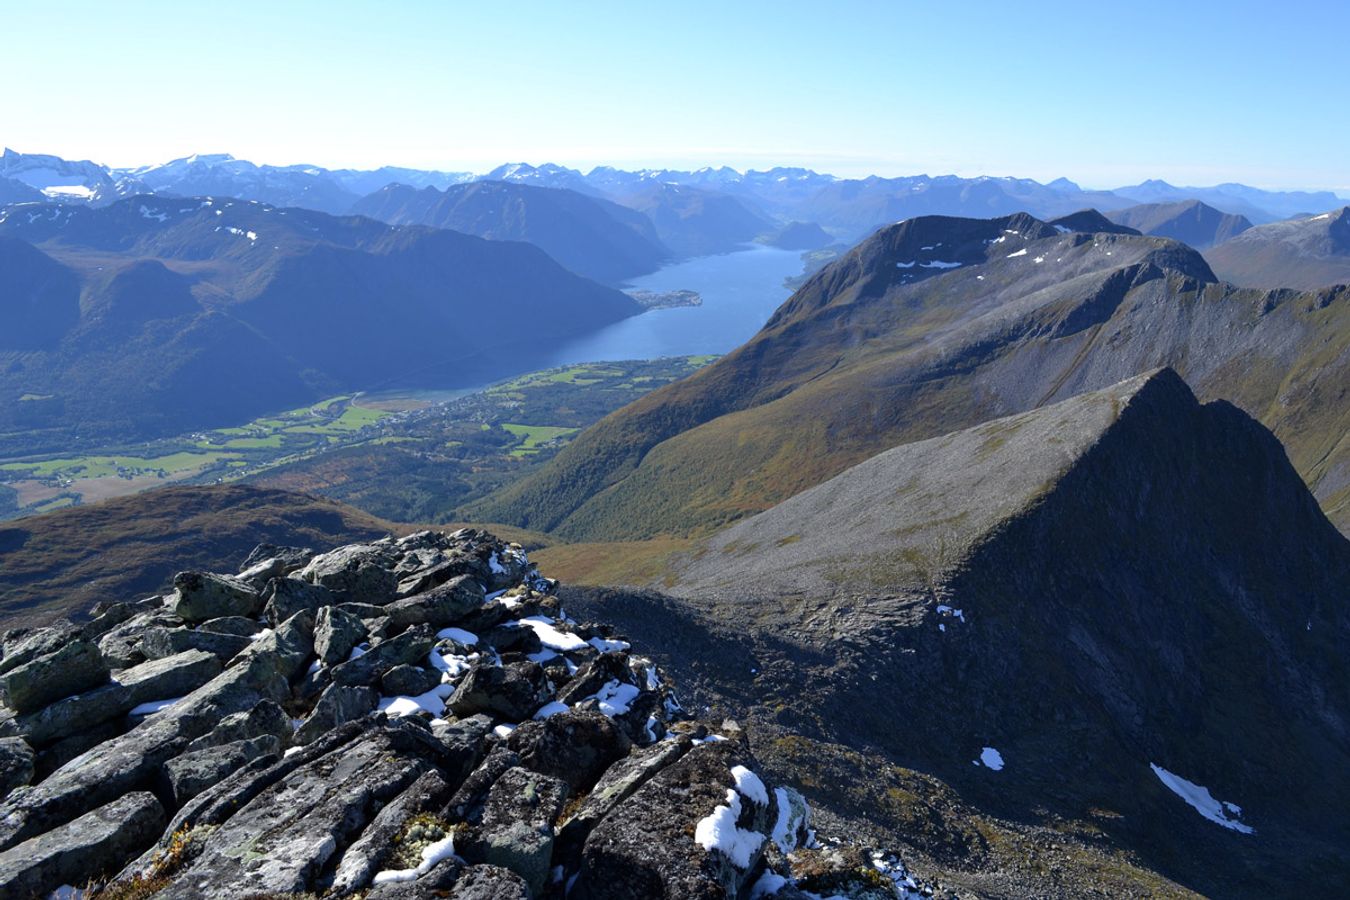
(1191, 91)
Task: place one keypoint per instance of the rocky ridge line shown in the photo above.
(402, 718)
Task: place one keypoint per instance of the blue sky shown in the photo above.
(1105, 94)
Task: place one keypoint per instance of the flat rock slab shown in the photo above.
(75, 667)
(99, 841)
(283, 838)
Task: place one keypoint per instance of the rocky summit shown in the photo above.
(401, 718)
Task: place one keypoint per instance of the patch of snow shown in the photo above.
(359, 650)
(550, 636)
(710, 739)
(615, 697)
(1062, 230)
(1039, 259)
(787, 825)
(944, 610)
(1200, 799)
(431, 854)
(650, 728)
(980, 277)
(75, 191)
(551, 709)
(718, 832)
(147, 213)
(68, 892)
(906, 265)
(991, 758)
(939, 264)
(607, 646)
(291, 751)
(433, 702)
(451, 664)
(1320, 218)
(495, 565)
(1022, 252)
(769, 883)
(503, 731)
(749, 785)
(458, 635)
(151, 707)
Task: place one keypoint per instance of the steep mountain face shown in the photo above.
(221, 175)
(1305, 253)
(41, 300)
(399, 718)
(694, 222)
(935, 324)
(1189, 221)
(1255, 204)
(1071, 599)
(59, 179)
(14, 191)
(592, 237)
(292, 304)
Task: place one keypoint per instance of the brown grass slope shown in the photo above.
(876, 350)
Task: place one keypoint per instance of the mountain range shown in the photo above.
(848, 208)
(156, 316)
(939, 323)
(592, 237)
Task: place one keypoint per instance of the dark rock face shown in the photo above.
(351, 747)
(68, 670)
(77, 852)
(199, 596)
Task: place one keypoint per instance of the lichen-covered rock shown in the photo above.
(368, 854)
(517, 828)
(131, 761)
(67, 670)
(357, 573)
(287, 648)
(412, 646)
(440, 606)
(242, 626)
(336, 632)
(338, 704)
(199, 596)
(79, 851)
(281, 839)
(284, 597)
(409, 681)
(16, 764)
(158, 679)
(645, 846)
(513, 692)
(158, 643)
(576, 746)
(193, 772)
(263, 718)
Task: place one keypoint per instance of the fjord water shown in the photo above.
(740, 291)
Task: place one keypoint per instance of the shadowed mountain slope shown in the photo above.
(590, 236)
(1305, 253)
(935, 324)
(1189, 221)
(1122, 580)
(294, 305)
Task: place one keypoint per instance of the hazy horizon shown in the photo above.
(1200, 95)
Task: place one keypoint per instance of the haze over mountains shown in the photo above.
(849, 208)
(152, 316)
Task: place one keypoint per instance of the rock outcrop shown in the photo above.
(401, 718)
